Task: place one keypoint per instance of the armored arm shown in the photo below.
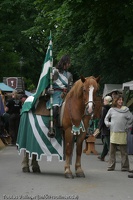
(70, 80)
(55, 75)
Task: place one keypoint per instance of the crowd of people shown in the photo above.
(10, 116)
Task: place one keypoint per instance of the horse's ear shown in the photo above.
(98, 79)
(82, 78)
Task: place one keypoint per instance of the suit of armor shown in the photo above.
(62, 83)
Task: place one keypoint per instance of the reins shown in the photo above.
(70, 113)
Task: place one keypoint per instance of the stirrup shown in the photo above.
(51, 133)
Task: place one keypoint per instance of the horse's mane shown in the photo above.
(76, 90)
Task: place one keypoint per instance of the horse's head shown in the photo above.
(90, 86)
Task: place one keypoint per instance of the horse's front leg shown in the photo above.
(68, 152)
(25, 162)
(78, 170)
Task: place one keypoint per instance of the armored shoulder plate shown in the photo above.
(55, 74)
(70, 80)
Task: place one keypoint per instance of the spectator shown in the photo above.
(114, 94)
(6, 117)
(23, 98)
(104, 130)
(13, 107)
(2, 108)
(131, 175)
(121, 120)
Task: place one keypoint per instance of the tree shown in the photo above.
(97, 35)
(17, 16)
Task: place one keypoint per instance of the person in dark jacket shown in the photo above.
(105, 132)
(13, 107)
(131, 171)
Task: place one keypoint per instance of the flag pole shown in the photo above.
(51, 132)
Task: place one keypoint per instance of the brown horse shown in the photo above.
(76, 112)
(79, 105)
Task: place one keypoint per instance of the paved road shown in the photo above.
(99, 184)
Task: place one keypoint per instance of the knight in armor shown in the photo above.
(62, 83)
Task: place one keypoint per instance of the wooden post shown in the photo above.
(90, 145)
(2, 145)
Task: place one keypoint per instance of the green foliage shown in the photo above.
(29, 84)
(98, 35)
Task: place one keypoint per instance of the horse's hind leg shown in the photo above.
(35, 165)
(78, 170)
(25, 163)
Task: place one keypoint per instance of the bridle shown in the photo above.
(86, 106)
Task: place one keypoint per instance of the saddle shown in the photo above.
(42, 110)
(41, 107)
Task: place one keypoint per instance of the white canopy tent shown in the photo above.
(109, 88)
(128, 84)
(5, 88)
(128, 91)
(28, 93)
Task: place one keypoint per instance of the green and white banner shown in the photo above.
(43, 82)
(33, 129)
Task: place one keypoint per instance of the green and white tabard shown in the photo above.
(32, 137)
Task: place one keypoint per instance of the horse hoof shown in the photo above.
(36, 170)
(81, 174)
(25, 169)
(69, 176)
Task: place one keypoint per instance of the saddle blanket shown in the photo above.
(32, 137)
